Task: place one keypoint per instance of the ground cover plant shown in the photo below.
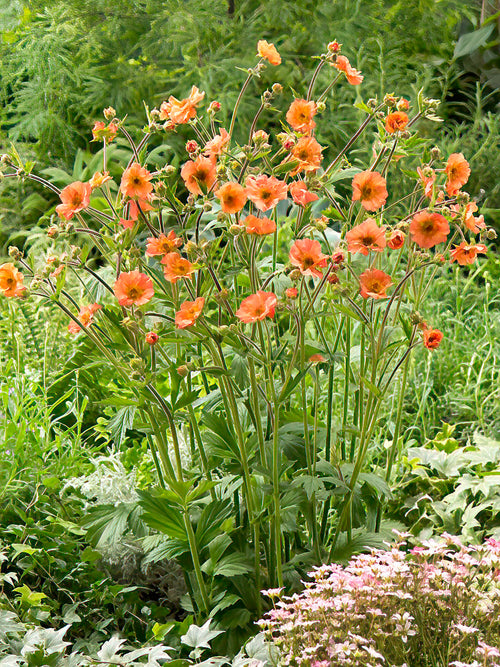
(436, 605)
(251, 314)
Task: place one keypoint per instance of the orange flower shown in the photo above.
(428, 229)
(466, 254)
(134, 205)
(217, 145)
(75, 197)
(300, 194)
(427, 180)
(396, 122)
(189, 313)
(308, 152)
(101, 131)
(133, 288)
(259, 226)
(181, 111)
(163, 244)
(370, 188)
(432, 338)
(198, 174)
(306, 255)
(458, 171)
(300, 115)
(232, 197)
(268, 52)
(316, 359)
(365, 237)
(135, 182)
(257, 307)
(353, 76)
(99, 179)
(396, 240)
(265, 191)
(85, 317)
(11, 280)
(176, 267)
(374, 283)
(474, 224)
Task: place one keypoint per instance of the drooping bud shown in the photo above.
(109, 113)
(151, 338)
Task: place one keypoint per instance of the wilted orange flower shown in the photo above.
(268, 52)
(432, 338)
(199, 175)
(135, 182)
(259, 226)
(374, 283)
(265, 191)
(306, 255)
(427, 180)
(189, 313)
(85, 317)
(217, 145)
(11, 280)
(133, 288)
(101, 131)
(300, 194)
(75, 197)
(466, 254)
(232, 197)
(428, 229)
(396, 240)
(175, 267)
(370, 188)
(181, 111)
(308, 152)
(163, 244)
(98, 179)
(257, 307)
(354, 76)
(365, 237)
(474, 224)
(300, 115)
(396, 122)
(458, 171)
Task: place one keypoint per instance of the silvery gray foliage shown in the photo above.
(110, 483)
(23, 645)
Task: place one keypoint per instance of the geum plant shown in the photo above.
(239, 322)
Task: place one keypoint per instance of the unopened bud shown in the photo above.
(491, 234)
(292, 292)
(463, 197)
(390, 100)
(109, 113)
(53, 232)
(333, 278)
(403, 105)
(151, 338)
(183, 371)
(14, 252)
(435, 153)
(277, 88)
(168, 170)
(334, 47)
(214, 107)
(320, 107)
(192, 146)
(295, 274)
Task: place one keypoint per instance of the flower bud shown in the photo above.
(390, 100)
(396, 240)
(214, 107)
(435, 153)
(292, 292)
(36, 282)
(403, 104)
(334, 47)
(192, 146)
(277, 88)
(183, 371)
(338, 257)
(53, 232)
(333, 278)
(236, 230)
(295, 274)
(463, 197)
(14, 252)
(491, 234)
(168, 170)
(417, 320)
(260, 137)
(151, 338)
(109, 113)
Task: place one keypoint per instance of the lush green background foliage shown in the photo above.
(62, 62)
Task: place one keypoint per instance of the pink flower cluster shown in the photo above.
(435, 604)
